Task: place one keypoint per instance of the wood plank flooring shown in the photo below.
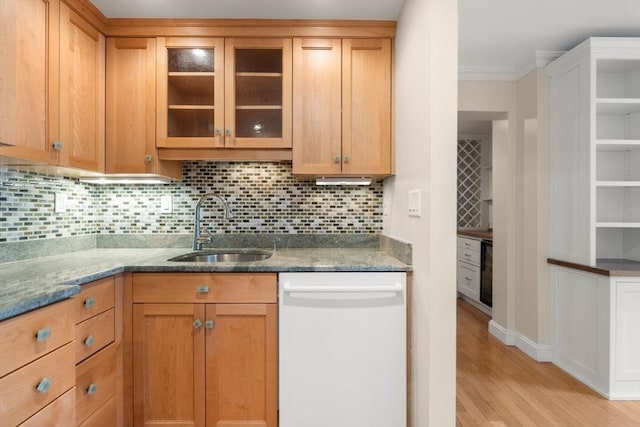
(498, 385)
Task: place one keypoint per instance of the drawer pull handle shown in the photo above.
(89, 341)
(44, 385)
(208, 324)
(468, 278)
(43, 334)
(92, 389)
(204, 289)
(89, 302)
(197, 323)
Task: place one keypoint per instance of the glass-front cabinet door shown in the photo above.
(258, 93)
(190, 93)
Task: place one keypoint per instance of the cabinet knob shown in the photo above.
(44, 385)
(336, 158)
(57, 145)
(43, 334)
(346, 159)
(92, 389)
(217, 131)
(227, 132)
(89, 302)
(89, 341)
(204, 289)
(208, 324)
(197, 323)
(148, 158)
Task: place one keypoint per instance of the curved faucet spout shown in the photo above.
(198, 237)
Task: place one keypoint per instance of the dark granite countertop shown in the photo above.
(29, 284)
(605, 266)
(478, 234)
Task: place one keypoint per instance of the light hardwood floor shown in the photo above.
(498, 385)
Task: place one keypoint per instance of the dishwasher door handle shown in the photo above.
(327, 289)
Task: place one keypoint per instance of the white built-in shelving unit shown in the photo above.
(595, 151)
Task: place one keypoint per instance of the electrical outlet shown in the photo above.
(415, 203)
(166, 204)
(60, 203)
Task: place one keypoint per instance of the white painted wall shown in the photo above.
(521, 289)
(426, 110)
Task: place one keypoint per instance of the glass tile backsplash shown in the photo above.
(265, 198)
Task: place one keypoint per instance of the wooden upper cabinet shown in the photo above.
(257, 93)
(224, 93)
(317, 97)
(29, 79)
(366, 106)
(190, 92)
(131, 109)
(342, 107)
(82, 97)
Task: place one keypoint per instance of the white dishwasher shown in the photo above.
(342, 349)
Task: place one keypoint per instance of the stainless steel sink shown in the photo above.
(224, 255)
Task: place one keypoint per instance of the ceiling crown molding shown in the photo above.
(541, 58)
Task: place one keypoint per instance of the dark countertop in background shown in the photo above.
(479, 234)
(605, 266)
(29, 284)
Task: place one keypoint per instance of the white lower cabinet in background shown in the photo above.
(595, 330)
(468, 271)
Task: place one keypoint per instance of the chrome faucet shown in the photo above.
(198, 237)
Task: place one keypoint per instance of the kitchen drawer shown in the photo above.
(95, 298)
(470, 256)
(104, 416)
(469, 244)
(19, 395)
(469, 280)
(96, 382)
(31, 335)
(205, 287)
(60, 412)
(94, 334)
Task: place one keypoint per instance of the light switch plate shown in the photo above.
(166, 204)
(415, 204)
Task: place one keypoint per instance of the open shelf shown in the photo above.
(617, 106)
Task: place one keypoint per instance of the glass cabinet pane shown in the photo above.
(258, 123)
(254, 90)
(190, 123)
(190, 60)
(191, 90)
(258, 60)
(258, 93)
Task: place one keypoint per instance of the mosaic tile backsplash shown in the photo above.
(265, 198)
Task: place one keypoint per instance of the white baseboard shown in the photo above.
(507, 337)
(538, 352)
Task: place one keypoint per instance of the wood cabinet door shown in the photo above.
(131, 105)
(366, 106)
(241, 365)
(257, 93)
(82, 97)
(317, 98)
(190, 92)
(168, 365)
(29, 79)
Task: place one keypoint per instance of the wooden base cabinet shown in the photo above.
(201, 363)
